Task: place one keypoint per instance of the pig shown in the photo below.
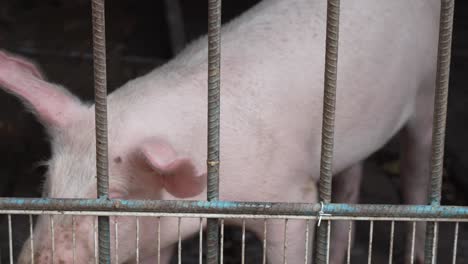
(272, 76)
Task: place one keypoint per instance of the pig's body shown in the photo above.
(271, 116)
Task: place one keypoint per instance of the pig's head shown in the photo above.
(148, 168)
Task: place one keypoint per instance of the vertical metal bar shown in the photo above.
(243, 242)
(413, 237)
(350, 232)
(264, 241)
(74, 239)
(455, 244)
(371, 236)
(392, 236)
(222, 242)
(285, 241)
(306, 257)
(116, 226)
(10, 239)
(179, 243)
(328, 122)
(440, 115)
(214, 83)
(31, 232)
(137, 240)
(159, 240)
(100, 86)
(52, 238)
(200, 247)
(96, 243)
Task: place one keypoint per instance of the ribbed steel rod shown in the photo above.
(328, 122)
(214, 72)
(42, 205)
(440, 115)
(100, 87)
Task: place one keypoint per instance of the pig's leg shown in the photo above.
(416, 139)
(346, 186)
(166, 256)
(295, 240)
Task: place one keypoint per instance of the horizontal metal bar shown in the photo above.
(234, 208)
(233, 216)
(161, 206)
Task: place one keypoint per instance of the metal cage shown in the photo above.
(216, 211)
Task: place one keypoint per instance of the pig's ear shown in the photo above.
(53, 105)
(178, 174)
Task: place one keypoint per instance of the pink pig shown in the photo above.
(271, 115)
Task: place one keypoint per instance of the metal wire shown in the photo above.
(307, 239)
(371, 238)
(200, 247)
(348, 253)
(179, 242)
(116, 226)
(100, 86)
(413, 236)
(10, 239)
(455, 244)
(138, 240)
(390, 250)
(243, 242)
(440, 115)
(222, 242)
(52, 236)
(96, 243)
(328, 122)
(31, 233)
(74, 239)
(214, 82)
(285, 241)
(264, 241)
(159, 240)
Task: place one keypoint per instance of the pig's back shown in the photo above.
(272, 80)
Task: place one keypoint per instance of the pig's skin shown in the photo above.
(271, 116)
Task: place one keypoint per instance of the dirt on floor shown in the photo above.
(58, 32)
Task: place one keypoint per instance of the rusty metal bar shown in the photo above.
(440, 116)
(234, 209)
(100, 86)
(214, 104)
(328, 123)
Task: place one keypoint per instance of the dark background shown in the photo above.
(58, 35)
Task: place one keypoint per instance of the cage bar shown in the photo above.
(200, 241)
(392, 237)
(328, 123)
(100, 87)
(74, 239)
(10, 239)
(455, 243)
(371, 239)
(31, 240)
(179, 242)
(214, 83)
(348, 251)
(243, 243)
(440, 116)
